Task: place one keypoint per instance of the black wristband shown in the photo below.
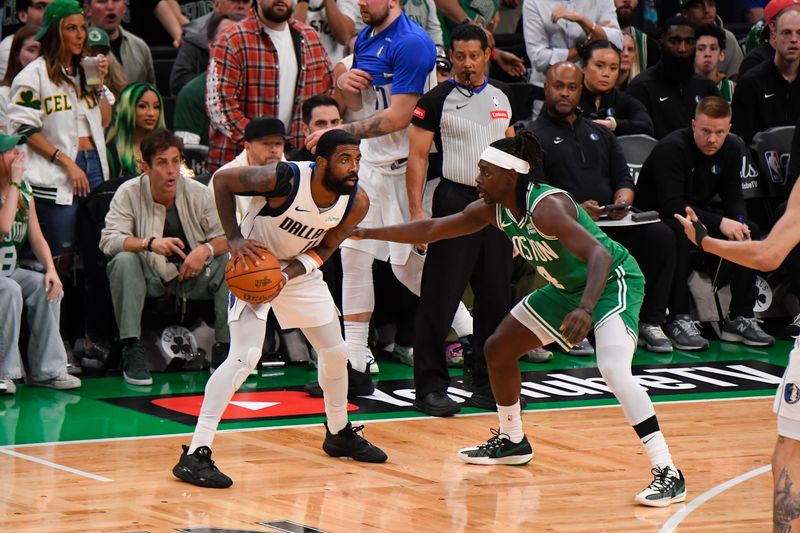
(150, 244)
(585, 308)
(700, 233)
(55, 155)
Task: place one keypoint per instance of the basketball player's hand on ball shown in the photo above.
(241, 248)
(194, 263)
(576, 325)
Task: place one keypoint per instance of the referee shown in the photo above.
(461, 116)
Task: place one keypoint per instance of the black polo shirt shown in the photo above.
(631, 116)
(677, 174)
(583, 158)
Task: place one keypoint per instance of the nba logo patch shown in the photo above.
(716, 169)
(697, 99)
(791, 393)
(496, 102)
(593, 136)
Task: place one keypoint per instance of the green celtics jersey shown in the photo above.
(547, 254)
(12, 242)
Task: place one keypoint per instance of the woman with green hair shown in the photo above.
(139, 111)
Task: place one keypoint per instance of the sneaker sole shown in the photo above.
(654, 349)
(188, 478)
(140, 382)
(338, 454)
(687, 348)
(661, 503)
(733, 337)
(433, 411)
(511, 460)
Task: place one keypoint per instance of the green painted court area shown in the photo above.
(107, 407)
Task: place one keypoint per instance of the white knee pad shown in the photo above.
(358, 294)
(243, 365)
(333, 361)
(410, 274)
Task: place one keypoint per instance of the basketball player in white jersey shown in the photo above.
(767, 255)
(301, 211)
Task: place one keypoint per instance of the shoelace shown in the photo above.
(689, 326)
(745, 323)
(494, 441)
(655, 331)
(663, 480)
(205, 454)
(796, 321)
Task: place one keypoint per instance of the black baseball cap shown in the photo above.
(264, 127)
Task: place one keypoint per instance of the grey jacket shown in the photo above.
(137, 61)
(192, 56)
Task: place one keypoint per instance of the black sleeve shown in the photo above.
(743, 107)
(184, 69)
(653, 52)
(794, 160)
(731, 187)
(618, 167)
(428, 113)
(668, 164)
(637, 119)
(638, 90)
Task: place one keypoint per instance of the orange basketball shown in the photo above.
(258, 283)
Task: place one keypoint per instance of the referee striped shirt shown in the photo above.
(464, 122)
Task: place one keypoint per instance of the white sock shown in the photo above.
(655, 446)
(462, 321)
(335, 396)
(356, 335)
(511, 421)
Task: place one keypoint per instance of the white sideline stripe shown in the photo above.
(368, 422)
(675, 520)
(57, 466)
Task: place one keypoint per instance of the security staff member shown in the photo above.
(688, 168)
(586, 160)
(670, 90)
(769, 95)
(461, 116)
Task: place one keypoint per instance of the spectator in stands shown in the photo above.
(759, 46)
(264, 139)
(769, 94)
(171, 15)
(192, 57)
(266, 65)
(24, 49)
(585, 159)
(99, 43)
(334, 21)
(191, 122)
(704, 12)
(601, 101)
(131, 51)
(63, 118)
(138, 112)
(670, 90)
(40, 293)
(554, 33)
(164, 237)
(647, 50)
(425, 14)
(454, 13)
(709, 51)
(320, 112)
(628, 62)
(30, 13)
(688, 168)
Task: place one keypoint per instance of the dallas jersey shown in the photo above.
(299, 224)
(547, 254)
(401, 60)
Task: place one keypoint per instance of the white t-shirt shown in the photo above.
(5, 53)
(317, 18)
(287, 67)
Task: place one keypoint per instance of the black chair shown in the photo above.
(163, 59)
(196, 156)
(637, 149)
(772, 149)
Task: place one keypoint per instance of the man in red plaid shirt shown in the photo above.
(266, 65)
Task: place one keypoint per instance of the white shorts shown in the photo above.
(388, 205)
(787, 398)
(304, 302)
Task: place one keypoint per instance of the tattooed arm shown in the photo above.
(787, 503)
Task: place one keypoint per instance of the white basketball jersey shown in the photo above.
(298, 225)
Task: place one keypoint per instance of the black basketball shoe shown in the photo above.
(350, 445)
(198, 469)
(358, 384)
(498, 450)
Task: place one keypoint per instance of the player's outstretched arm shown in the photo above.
(474, 217)
(766, 255)
(556, 216)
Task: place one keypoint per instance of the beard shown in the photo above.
(338, 187)
(375, 19)
(625, 18)
(677, 68)
(271, 15)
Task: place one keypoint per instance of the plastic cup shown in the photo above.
(91, 68)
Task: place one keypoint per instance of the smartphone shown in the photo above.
(645, 216)
(615, 207)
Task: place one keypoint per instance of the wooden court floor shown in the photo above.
(587, 468)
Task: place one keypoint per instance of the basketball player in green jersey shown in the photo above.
(593, 282)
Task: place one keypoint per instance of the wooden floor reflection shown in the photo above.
(587, 467)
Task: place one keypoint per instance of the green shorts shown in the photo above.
(543, 310)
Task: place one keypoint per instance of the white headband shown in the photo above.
(505, 160)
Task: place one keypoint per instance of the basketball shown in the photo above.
(258, 283)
